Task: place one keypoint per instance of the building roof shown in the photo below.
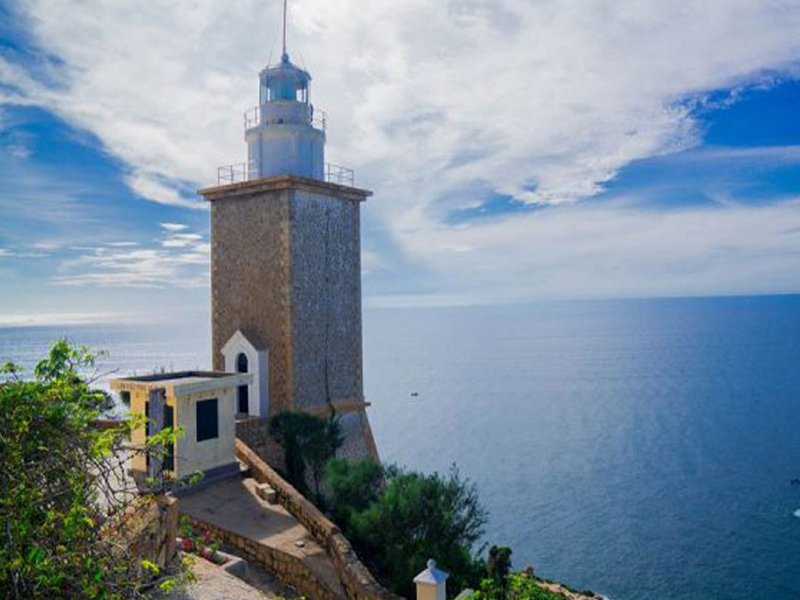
(286, 69)
(182, 382)
(432, 575)
(250, 336)
(281, 183)
(254, 339)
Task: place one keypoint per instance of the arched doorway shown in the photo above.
(243, 393)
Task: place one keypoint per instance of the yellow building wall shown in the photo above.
(190, 455)
(139, 436)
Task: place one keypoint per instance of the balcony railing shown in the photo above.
(236, 173)
(253, 117)
(248, 171)
(339, 174)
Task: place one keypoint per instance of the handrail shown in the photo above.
(253, 117)
(248, 171)
(236, 173)
(339, 175)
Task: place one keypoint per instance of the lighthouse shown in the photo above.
(286, 266)
(284, 136)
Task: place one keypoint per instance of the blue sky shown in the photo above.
(517, 150)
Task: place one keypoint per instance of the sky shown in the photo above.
(518, 149)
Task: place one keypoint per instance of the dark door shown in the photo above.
(169, 421)
(243, 393)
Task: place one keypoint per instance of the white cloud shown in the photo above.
(181, 240)
(182, 261)
(370, 261)
(174, 226)
(617, 249)
(149, 185)
(6, 253)
(552, 95)
(545, 101)
(44, 319)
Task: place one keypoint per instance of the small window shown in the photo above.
(243, 392)
(207, 420)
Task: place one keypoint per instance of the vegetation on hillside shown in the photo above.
(398, 519)
(516, 586)
(308, 443)
(395, 519)
(62, 483)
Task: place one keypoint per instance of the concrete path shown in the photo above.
(214, 583)
(234, 506)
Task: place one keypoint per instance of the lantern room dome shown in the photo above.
(284, 82)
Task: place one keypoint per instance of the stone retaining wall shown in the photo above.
(357, 581)
(289, 569)
(147, 528)
(253, 432)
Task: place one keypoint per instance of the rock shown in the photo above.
(528, 571)
(266, 492)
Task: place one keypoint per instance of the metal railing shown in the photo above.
(236, 173)
(248, 171)
(253, 117)
(319, 120)
(340, 175)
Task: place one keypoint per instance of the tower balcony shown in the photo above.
(248, 171)
(285, 113)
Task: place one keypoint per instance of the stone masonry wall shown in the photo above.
(286, 265)
(252, 432)
(357, 581)
(324, 237)
(250, 274)
(147, 528)
(289, 569)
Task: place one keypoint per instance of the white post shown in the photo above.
(431, 583)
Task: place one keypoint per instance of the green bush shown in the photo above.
(397, 526)
(354, 486)
(59, 481)
(517, 587)
(307, 441)
(498, 566)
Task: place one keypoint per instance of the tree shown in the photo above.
(62, 485)
(413, 518)
(354, 486)
(307, 441)
(518, 586)
(498, 565)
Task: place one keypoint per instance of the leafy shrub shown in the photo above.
(412, 517)
(354, 486)
(518, 587)
(60, 486)
(307, 441)
(498, 565)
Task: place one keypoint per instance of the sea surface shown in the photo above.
(642, 449)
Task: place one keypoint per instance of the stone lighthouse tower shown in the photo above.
(286, 265)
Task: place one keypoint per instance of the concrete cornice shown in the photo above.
(281, 183)
(340, 407)
(198, 384)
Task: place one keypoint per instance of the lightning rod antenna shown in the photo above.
(285, 2)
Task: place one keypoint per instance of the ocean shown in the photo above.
(643, 449)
